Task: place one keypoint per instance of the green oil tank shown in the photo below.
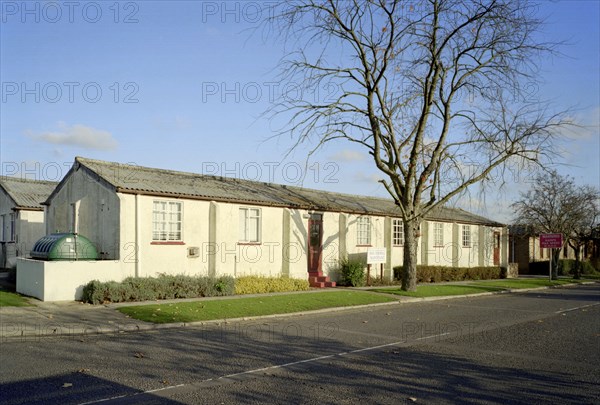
(64, 246)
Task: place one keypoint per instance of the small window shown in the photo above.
(250, 225)
(466, 236)
(438, 234)
(398, 233)
(13, 224)
(167, 221)
(363, 228)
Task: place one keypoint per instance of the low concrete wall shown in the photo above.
(64, 280)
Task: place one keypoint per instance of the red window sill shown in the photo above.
(166, 243)
(249, 243)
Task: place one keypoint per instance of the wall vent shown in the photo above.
(193, 251)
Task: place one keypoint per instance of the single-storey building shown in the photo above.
(21, 216)
(146, 221)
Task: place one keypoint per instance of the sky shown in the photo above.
(184, 85)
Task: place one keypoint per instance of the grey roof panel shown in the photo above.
(28, 194)
(143, 180)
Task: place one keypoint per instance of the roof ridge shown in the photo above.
(26, 180)
(291, 195)
(225, 178)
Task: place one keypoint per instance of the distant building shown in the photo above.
(524, 248)
(21, 216)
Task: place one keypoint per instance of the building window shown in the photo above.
(250, 225)
(13, 228)
(166, 221)
(363, 234)
(466, 236)
(398, 233)
(438, 234)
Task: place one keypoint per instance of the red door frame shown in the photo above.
(315, 250)
(496, 248)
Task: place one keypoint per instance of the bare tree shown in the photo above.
(555, 204)
(439, 92)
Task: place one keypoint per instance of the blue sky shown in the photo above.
(182, 85)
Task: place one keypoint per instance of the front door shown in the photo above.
(315, 239)
(496, 248)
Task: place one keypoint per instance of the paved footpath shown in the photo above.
(76, 318)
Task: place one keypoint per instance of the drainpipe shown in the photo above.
(138, 263)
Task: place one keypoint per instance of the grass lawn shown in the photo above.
(433, 290)
(517, 283)
(254, 306)
(8, 299)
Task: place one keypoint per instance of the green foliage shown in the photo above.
(539, 268)
(262, 285)
(156, 288)
(566, 267)
(352, 273)
(436, 274)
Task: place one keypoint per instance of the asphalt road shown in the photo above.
(535, 347)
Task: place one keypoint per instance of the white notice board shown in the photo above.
(376, 255)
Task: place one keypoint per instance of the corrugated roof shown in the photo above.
(127, 178)
(27, 194)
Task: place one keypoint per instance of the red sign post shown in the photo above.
(551, 241)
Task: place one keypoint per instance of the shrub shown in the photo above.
(398, 272)
(436, 274)
(567, 267)
(261, 285)
(539, 268)
(156, 288)
(352, 273)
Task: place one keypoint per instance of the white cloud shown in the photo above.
(347, 155)
(77, 135)
(588, 125)
(367, 178)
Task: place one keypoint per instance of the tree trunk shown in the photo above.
(411, 244)
(576, 270)
(554, 257)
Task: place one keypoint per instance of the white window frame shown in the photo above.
(167, 221)
(438, 234)
(466, 236)
(13, 226)
(397, 232)
(363, 231)
(246, 215)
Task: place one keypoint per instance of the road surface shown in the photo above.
(537, 347)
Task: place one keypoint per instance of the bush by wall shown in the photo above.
(566, 267)
(352, 273)
(436, 274)
(157, 288)
(261, 285)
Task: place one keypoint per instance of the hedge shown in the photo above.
(157, 288)
(436, 274)
(565, 267)
(261, 285)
